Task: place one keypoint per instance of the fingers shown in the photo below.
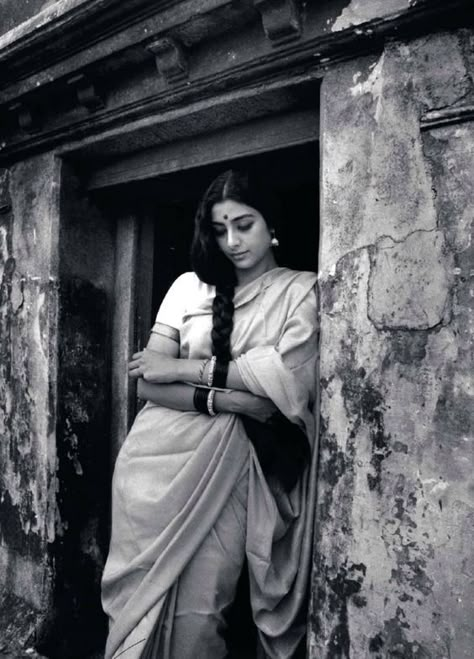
(136, 365)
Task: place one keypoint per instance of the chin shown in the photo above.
(244, 266)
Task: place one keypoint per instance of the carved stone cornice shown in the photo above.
(27, 117)
(86, 92)
(95, 33)
(310, 55)
(170, 58)
(447, 116)
(281, 20)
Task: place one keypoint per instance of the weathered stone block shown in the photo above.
(361, 11)
(410, 282)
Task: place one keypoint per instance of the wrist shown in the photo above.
(235, 402)
(187, 370)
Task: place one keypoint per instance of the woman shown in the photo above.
(233, 348)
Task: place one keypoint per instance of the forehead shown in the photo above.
(229, 210)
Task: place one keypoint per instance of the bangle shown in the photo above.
(212, 368)
(210, 403)
(202, 368)
(220, 374)
(200, 400)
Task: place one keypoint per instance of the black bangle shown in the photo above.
(220, 374)
(200, 400)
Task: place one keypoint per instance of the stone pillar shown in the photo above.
(393, 565)
(29, 221)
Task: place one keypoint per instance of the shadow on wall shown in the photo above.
(78, 626)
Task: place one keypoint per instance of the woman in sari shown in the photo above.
(216, 471)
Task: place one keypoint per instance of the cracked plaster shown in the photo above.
(395, 484)
(27, 313)
(409, 285)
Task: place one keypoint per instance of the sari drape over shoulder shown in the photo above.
(176, 471)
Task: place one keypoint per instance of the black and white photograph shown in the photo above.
(236, 329)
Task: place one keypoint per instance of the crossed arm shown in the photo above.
(163, 378)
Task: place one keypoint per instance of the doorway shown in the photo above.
(292, 176)
(158, 216)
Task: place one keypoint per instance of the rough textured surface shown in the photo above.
(13, 13)
(409, 284)
(78, 626)
(393, 572)
(361, 11)
(28, 312)
(54, 329)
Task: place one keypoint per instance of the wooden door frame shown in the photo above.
(135, 230)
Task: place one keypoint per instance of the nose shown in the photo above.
(232, 238)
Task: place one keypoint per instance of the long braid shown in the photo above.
(281, 447)
(222, 322)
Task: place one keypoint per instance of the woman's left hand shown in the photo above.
(153, 366)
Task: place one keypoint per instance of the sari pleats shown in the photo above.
(193, 622)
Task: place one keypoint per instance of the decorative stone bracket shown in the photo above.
(27, 118)
(86, 92)
(170, 58)
(281, 20)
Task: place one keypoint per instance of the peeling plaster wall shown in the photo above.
(56, 270)
(28, 320)
(361, 11)
(86, 251)
(393, 573)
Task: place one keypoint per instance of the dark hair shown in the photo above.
(282, 449)
(209, 262)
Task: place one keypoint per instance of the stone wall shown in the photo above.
(28, 321)
(86, 258)
(55, 306)
(393, 560)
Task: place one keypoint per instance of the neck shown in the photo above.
(246, 276)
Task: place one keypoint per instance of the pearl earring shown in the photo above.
(274, 241)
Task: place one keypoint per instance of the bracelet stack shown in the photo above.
(203, 399)
(217, 376)
(210, 403)
(212, 368)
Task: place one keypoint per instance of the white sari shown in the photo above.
(178, 472)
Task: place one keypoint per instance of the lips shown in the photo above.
(239, 255)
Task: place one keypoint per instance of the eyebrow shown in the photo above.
(234, 219)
